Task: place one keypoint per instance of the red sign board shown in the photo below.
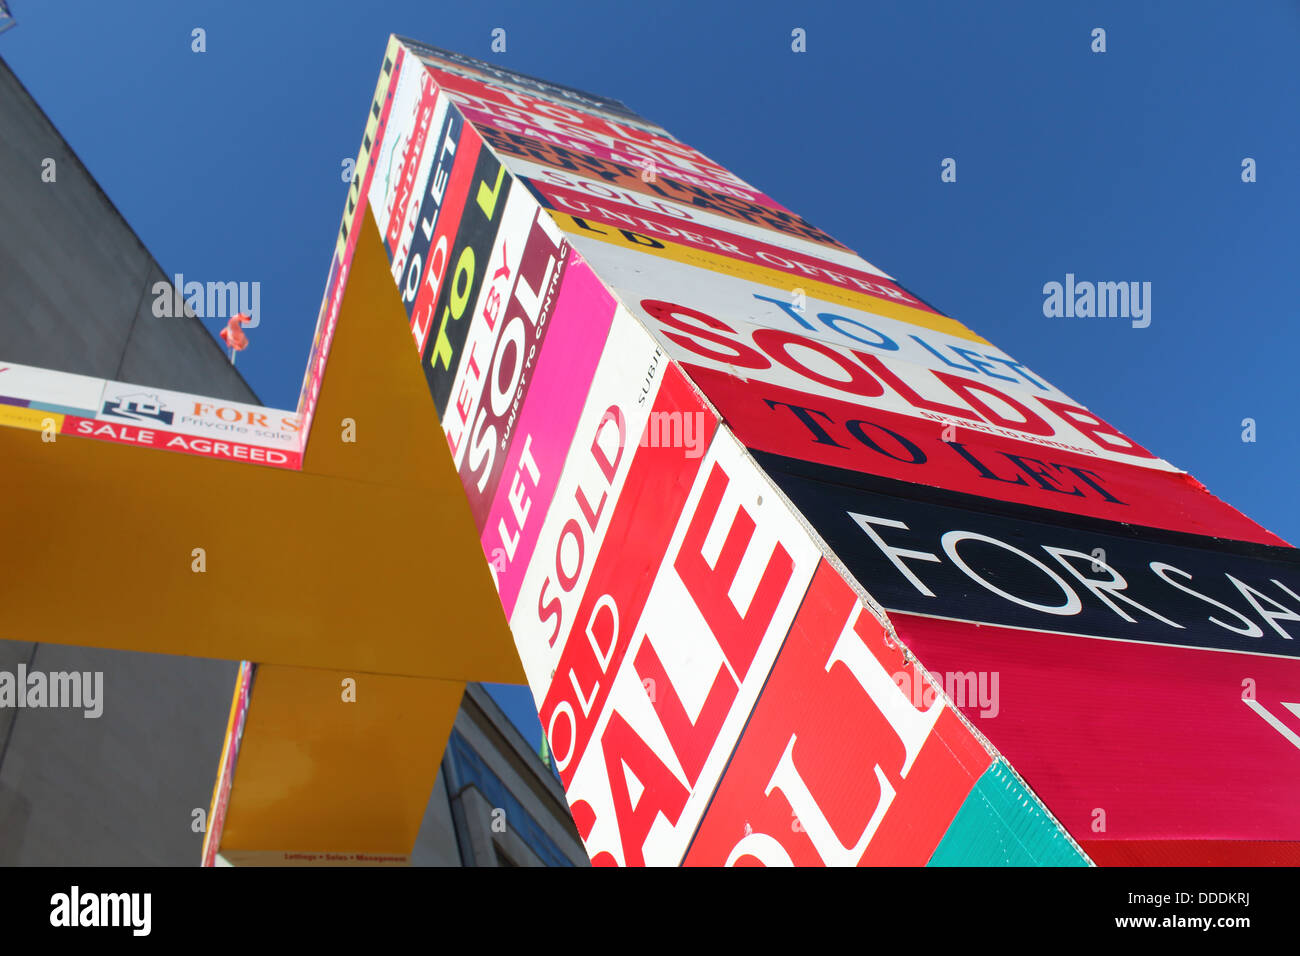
(838, 765)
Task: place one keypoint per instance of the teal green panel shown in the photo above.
(1002, 824)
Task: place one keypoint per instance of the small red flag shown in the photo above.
(233, 335)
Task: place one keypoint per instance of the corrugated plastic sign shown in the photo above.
(59, 403)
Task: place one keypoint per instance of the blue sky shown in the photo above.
(1115, 166)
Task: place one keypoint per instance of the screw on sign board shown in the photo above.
(526, 322)
(24, 386)
(856, 313)
(852, 758)
(147, 416)
(822, 369)
(506, 107)
(1029, 570)
(509, 85)
(346, 240)
(422, 267)
(441, 298)
(552, 402)
(612, 488)
(488, 107)
(686, 628)
(570, 129)
(838, 765)
(643, 165)
(543, 180)
(405, 159)
(484, 324)
(1165, 747)
(1003, 823)
(226, 768)
(646, 232)
(634, 181)
(841, 441)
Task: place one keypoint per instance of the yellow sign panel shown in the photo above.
(33, 419)
(336, 767)
(773, 278)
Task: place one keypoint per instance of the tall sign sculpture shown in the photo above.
(799, 570)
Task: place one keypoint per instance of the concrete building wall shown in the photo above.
(120, 789)
(437, 844)
(76, 283)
